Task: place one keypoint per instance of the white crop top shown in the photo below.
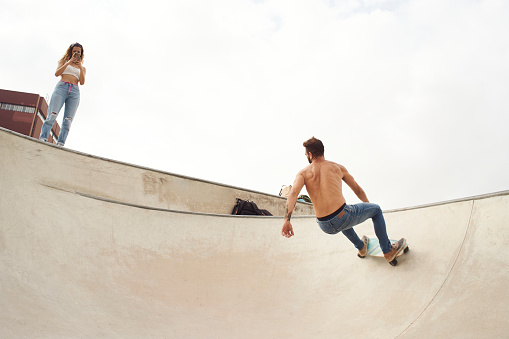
(71, 70)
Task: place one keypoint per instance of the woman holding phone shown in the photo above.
(67, 92)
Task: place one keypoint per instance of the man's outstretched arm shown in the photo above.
(287, 230)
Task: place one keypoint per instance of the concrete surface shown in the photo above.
(74, 264)
(105, 178)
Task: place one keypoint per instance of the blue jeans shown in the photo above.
(354, 215)
(64, 93)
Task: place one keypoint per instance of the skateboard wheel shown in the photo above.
(360, 256)
(394, 262)
(406, 249)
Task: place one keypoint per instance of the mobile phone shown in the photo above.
(76, 55)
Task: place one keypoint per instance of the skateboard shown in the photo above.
(374, 250)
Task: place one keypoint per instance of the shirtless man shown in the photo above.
(323, 180)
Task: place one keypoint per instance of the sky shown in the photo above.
(409, 95)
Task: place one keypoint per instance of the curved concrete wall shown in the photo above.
(83, 173)
(76, 265)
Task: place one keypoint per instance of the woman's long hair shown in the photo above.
(68, 55)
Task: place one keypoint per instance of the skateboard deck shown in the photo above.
(374, 249)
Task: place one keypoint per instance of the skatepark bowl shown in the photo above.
(94, 248)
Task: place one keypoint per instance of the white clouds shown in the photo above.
(403, 92)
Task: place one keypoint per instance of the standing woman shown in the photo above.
(66, 92)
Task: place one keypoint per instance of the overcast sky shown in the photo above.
(411, 96)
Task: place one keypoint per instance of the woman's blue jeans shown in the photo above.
(64, 93)
(354, 215)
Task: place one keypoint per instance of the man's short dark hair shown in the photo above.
(314, 146)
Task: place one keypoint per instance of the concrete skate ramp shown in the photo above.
(75, 265)
(109, 179)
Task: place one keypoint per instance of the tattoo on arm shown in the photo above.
(288, 215)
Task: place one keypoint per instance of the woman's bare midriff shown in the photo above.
(69, 78)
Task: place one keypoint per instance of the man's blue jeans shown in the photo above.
(64, 93)
(354, 215)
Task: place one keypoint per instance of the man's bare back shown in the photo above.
(323, 180)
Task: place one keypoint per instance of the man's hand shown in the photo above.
(287, 230)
